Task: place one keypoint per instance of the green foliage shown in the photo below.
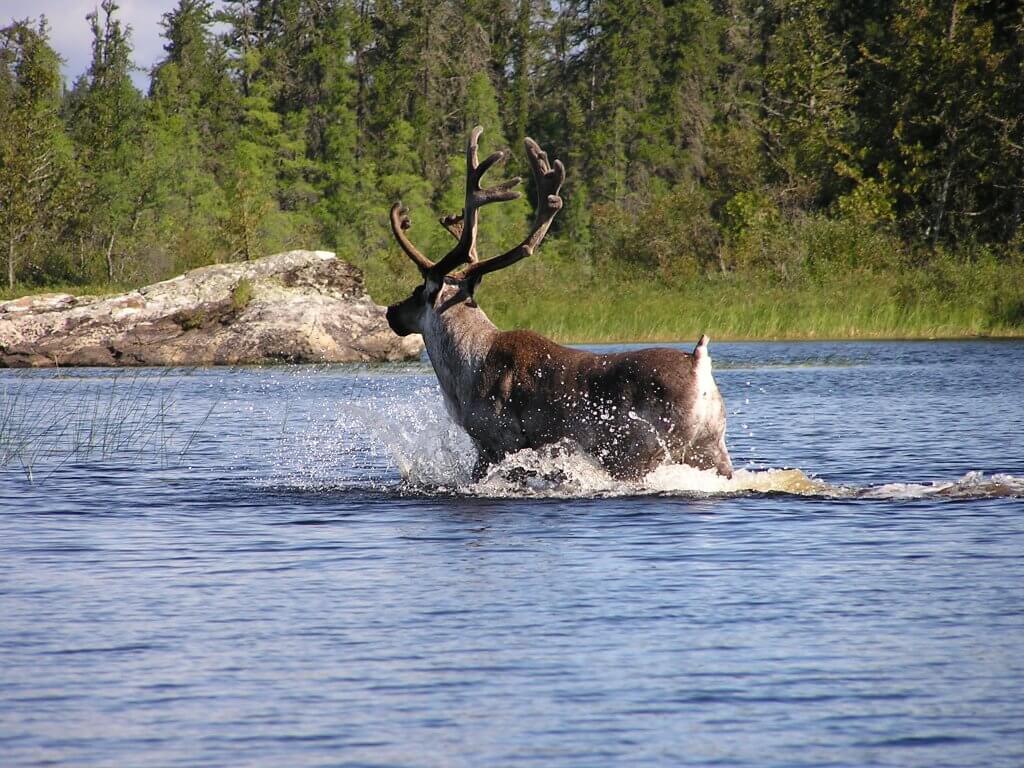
(870, 202)
(675, 236)
(104, 122)
(249, 201)
(953, 112)
(35, 158)
(189, 111)
(241, 295)
(808, 104)
(191, 320)
(752, 152)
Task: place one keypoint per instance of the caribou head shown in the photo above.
(516, 389)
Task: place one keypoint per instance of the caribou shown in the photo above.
(511, 390)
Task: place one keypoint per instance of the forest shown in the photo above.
(759, 167)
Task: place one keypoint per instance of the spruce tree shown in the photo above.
(105, 126)
(34, 152)
(808, 100)
(344, 179)
(194, 110)
(957, 119)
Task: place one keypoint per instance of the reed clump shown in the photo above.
(48, 419)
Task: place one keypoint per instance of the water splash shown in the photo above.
(434, 456)
(563, 471)
(973, 485)
(676, 478)
(361, 444)
(429, 449)
(410, 446)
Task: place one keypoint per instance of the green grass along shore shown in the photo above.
(577, 302)
(733, 311)
(573, 302)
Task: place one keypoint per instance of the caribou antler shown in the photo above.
(549, 181)
(476, 197)
(399, 223)
(453, 223)
(463, 226)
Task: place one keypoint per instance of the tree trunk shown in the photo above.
(10, 262)
(362, 87)
(943, 195)
(522, 71)
(110, 258)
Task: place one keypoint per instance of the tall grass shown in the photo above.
(47, 421)
(865, 306)
(817, 278)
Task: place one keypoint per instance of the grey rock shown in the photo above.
(299, 306)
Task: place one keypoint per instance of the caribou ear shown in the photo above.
(702, 347)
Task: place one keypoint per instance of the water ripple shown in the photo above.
(317, 581)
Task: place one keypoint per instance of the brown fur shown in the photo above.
(628, 409)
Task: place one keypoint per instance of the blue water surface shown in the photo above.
(284, 567)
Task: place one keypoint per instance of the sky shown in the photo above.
(70, 35)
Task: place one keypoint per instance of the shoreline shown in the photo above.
(623, 309)
(793, 338)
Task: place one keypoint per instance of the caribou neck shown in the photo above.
(457, 341)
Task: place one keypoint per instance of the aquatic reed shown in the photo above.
(48, 419)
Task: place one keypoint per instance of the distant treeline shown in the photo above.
(699, 135)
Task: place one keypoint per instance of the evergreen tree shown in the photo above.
(626, 121)
(399, 180)
(958, 118)
(34, 152)
(346, 201)
(732, 159)
(194, 111)
(522, 60)
(105, 124)
(692, 129)
(808, 100)
(249, 200)
(426, 54)
(576, 220)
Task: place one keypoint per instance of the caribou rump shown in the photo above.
(516, 389)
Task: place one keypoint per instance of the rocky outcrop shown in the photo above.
(300, 306)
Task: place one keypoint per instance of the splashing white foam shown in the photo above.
(362, 445)
(429, 449)
(674, 478)
(434, 455)
(562, 470)
(973, 485)
(557, 470)
(359, 445)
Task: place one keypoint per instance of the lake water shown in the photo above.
(287, 567)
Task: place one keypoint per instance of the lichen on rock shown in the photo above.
(299, 306)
